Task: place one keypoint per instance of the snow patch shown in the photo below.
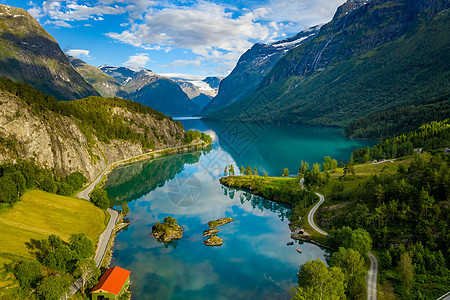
(293, 43)
(126, 81)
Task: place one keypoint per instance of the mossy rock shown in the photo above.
(219, 222)
(166, 233)
(209, 232)
(213, 241)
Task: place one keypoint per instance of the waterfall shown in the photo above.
(317, 58)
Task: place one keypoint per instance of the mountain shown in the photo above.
(85, 134)
(151, 89)
(213, 82)
(166, 96)
(194, 85)
(106, 85)
(251, 68)
(371, 58)
(29, 54)
(130, 78)
(202, 100)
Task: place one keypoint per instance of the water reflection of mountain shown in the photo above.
(272, 148)
(282, 209)
(130, 182)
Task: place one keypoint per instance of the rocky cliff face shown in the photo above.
(106, 85)
(29, 54)
(251, 68)
(56, 141)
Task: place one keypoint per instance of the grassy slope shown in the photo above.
(409, 70)
(40, 214)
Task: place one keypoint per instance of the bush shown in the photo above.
(82, 246)
(28, 274)
(65, 189)
(53, 287)
(99, 198)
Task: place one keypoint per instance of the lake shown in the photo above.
(254, 261)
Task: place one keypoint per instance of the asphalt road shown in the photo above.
(373, 269)
(84, 194)
(102, 245)
(106, 235)
(372, 278)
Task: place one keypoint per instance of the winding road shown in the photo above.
(373, 269)
(84, 194)
(372, 278)
(104, 238)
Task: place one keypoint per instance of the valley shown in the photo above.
(319, 133)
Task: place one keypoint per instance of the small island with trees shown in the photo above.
(167, 231)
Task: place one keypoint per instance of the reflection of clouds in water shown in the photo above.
(254, 244)
(182, 275)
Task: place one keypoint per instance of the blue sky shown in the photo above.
(191, 37)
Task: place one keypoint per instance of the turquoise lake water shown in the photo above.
(254, 261)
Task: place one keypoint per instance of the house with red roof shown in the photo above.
(112, 284)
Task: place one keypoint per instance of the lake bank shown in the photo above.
(186, 186)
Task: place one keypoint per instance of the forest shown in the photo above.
(400, 212)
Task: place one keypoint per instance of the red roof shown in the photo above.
(112, 280)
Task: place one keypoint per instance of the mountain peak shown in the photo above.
(30, 54)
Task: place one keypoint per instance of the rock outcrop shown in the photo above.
(166, 233)
(213, 241)
(219, 222)
(56, 141)
(210, 232)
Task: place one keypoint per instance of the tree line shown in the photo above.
(15, 179)
(428, 137)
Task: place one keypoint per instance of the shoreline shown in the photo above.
(119, 225)
(99, 180)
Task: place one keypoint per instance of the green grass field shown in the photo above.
(39, 214)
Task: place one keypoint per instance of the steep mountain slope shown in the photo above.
(29, 54)
(251, 68)
(85, 134)
(202, 100)
(165, 95)
(106, 85)
(150, 89)
(213, 82)
(380, 56)
(131, 79)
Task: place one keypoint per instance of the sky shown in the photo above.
(189, 37)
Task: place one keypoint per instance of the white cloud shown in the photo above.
(138, 60)
(62, 12)
(58, 23)
(35, 10)
(207, 29)
(78, 53)
(301, 14)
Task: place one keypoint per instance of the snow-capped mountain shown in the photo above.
(251, 68)
(194, 85)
